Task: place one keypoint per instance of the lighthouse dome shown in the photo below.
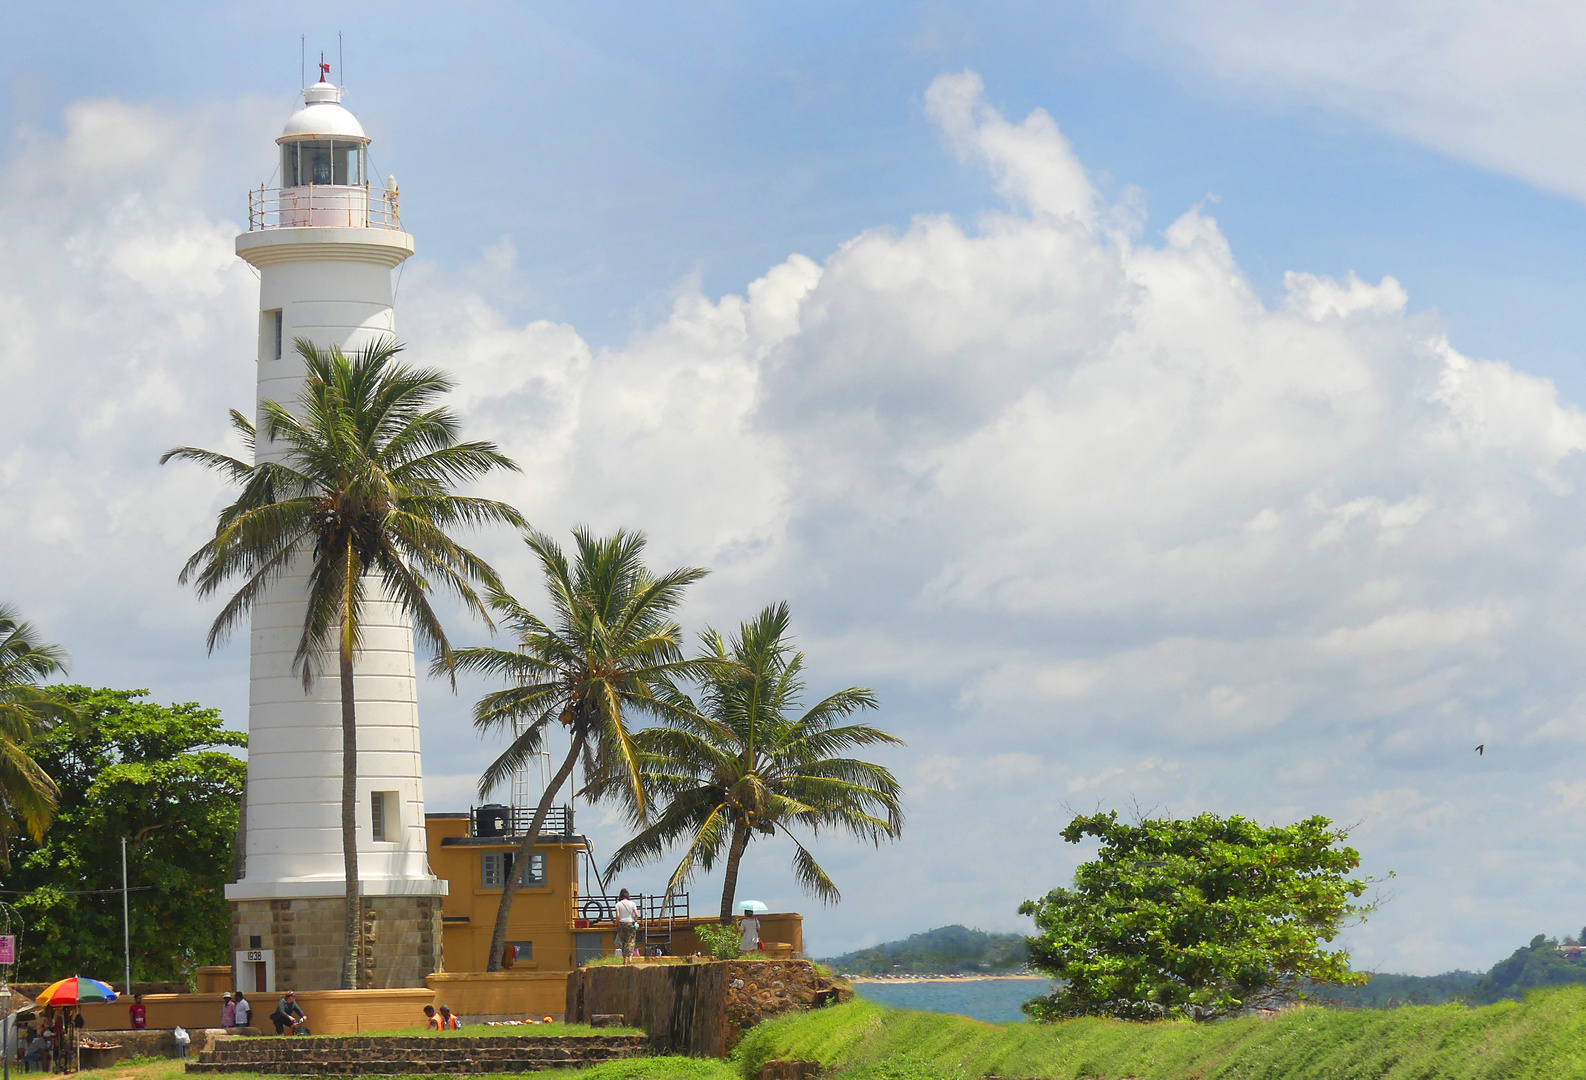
(322, 116)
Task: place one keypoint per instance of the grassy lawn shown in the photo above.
(1541, 1038)
(472, 1031)
(662, 1068)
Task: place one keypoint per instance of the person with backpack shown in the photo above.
(288, 1017)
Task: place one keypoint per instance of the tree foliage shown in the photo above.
(27, 711)
(364, 495)
(751, 762)
(608, 651)
(1198, 917)
(1541, 963)
(158, 775)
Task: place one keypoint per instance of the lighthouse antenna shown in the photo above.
(302, 59)
(341, 63)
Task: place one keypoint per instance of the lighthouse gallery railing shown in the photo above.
(323, 205)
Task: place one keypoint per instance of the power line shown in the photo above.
(79, 892)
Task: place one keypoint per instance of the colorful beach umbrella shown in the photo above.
(76, 991)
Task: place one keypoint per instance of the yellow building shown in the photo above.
(553, 928)
(553, 925)
(544, 927)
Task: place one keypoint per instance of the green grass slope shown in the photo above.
(1542, 1037)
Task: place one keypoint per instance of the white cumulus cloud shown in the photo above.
(1091, 516)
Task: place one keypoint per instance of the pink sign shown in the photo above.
(8, 949)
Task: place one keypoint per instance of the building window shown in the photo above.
(271, 334)
(495, 864)
(516, 951)
(383, 815)
(588, 947)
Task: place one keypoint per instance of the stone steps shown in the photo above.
(360, 1055)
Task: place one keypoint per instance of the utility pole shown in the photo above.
(126, 919)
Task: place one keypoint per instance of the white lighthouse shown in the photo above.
(325, 243)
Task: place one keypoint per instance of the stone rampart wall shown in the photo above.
(435, 1054)
(700, 1008)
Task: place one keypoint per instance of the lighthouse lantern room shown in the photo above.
(324, 172)
(325, 242)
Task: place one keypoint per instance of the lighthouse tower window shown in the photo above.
(270, 334)
(322, 161)
(383, 815)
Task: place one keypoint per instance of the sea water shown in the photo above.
(996, 1001)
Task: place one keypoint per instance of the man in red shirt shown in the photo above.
(139, 1015)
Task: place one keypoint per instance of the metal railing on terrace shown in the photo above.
(496, 819)
(316, 205)
(655, 912)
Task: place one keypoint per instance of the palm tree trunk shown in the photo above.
(349, 816)
(740, 841)
(520, 861)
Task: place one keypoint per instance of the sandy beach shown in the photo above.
(939, 978)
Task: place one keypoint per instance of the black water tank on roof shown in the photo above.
(492, 819)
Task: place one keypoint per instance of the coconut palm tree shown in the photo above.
(748, 764)
(27, 710)
(608, 652)
(365, 493)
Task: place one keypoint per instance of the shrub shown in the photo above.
(720, 942)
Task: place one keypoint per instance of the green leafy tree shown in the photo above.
(364, 493)
(27, 711)
(160, 776)
(609, 651)
(748, 763)
(1198, 917)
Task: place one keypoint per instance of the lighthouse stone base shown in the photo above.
(298, 944)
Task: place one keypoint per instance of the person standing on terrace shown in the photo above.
(627, 925)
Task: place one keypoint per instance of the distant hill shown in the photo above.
(959, 950)
(1390, 991)
(1541, 963)
(947, 950)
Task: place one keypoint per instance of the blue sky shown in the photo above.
(1108, 508)
(626, 149)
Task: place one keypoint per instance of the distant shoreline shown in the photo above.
(939, 978)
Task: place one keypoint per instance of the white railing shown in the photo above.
(323, 205)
